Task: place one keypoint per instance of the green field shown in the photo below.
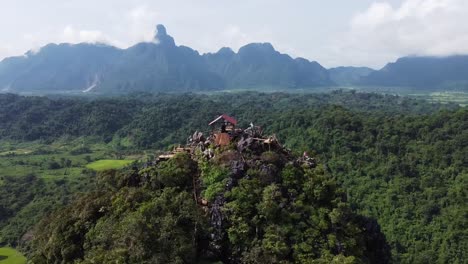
(49, 161)
(444, 97)
(101, 165)
(450, 97)
(16, 152)
(61, 160)
(11, 256)
(38, 177)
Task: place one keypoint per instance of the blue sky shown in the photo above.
(333, 32)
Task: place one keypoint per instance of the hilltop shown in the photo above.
(234, 196)
(400, 161)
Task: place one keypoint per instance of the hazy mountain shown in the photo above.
(259, 64)
(348, 75)
(160, 65)
(423, 73)
(57, 67)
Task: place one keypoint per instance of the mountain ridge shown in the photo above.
(430, 72)
(158, 66)
(163, 66)
(348, 75)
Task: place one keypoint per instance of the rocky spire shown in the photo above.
(162, 37)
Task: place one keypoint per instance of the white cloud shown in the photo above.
(380, 32)
(129, 26)
(233, 35)
(417, 27)
(72, 35)
(136, 25)
(5, 51)
(141, 22)
(230, 35)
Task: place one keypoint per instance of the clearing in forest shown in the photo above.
(11, 256)
(101, 165)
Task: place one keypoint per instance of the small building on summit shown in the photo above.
(222, 129)
(223, 123)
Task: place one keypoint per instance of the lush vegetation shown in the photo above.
(38, 178)
(11, 256)
(148, 120)
(26, 199)
(406, 171)
(401, 162)
(444, 97)
(293, 214)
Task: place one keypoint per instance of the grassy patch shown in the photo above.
(16, 152)
(450, 97)
(60, 159)
(11, 256)
(101, 165)
(460, 98)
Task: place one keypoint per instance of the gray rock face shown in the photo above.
(244, 143)
(237, 168)
(162, 37)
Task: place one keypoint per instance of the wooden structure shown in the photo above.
(222, 139)
(171, 154)
(222, 129)
(224, 123)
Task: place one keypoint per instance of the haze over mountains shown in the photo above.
(163, 66)
(423, 72)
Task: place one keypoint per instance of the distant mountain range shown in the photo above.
(431, 73)
(157, 66)
(348, 75)
(163, 66)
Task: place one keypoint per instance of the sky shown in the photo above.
(333, 32)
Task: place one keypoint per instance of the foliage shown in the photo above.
(400, 161)
(213, 179)
(25, 200)
(151, 216)
(126, 220)
(401, 170)
(177, 172)
(299, 221)
(160, 120)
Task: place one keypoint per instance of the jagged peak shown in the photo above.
(226, 51)
(161, 36)
(161, 30)
(266, 46)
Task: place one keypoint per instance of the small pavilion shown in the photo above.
(223, 123)
(222, 128)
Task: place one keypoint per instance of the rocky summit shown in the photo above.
(233, 195)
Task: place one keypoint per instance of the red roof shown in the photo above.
(231, 120)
